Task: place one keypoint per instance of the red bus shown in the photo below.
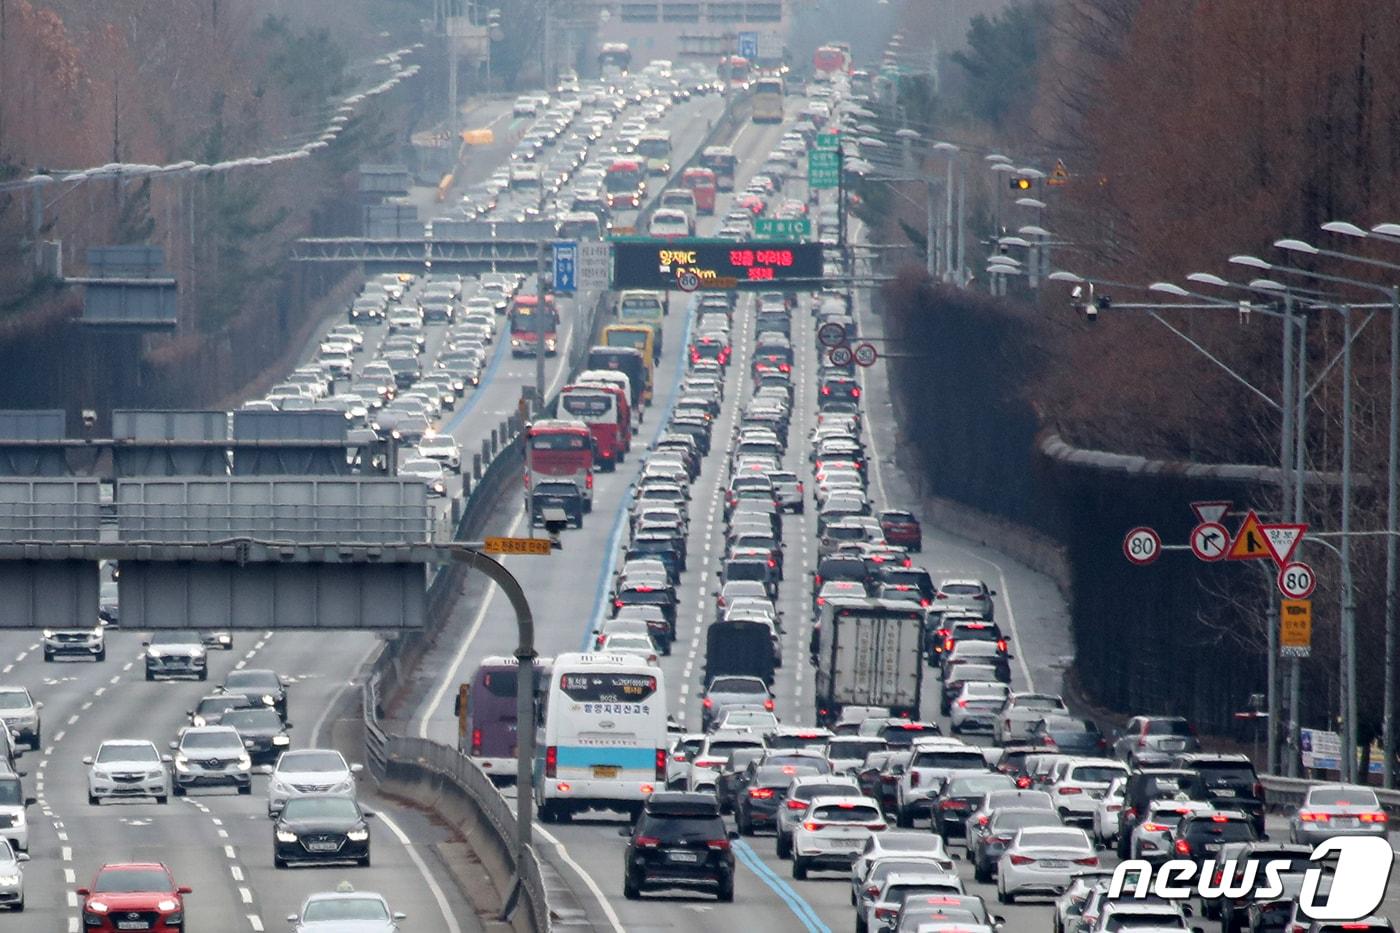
(524, 325)
(701, 182)
(596, 406)
(734, 71)
(827, 61)
(621, 387)
(562, 451)
(625, 181)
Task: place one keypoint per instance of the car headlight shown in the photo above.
(182, 763)
(225, 638)
(244, 762)
(166, 905)
(153, 652)
(344, 787)
(154, 775)
(197, 652)
(438, 487)
(281, 740)
(357, 835)
(197, 721)
(96, 907)
(97, 631)
(48, 633)
(284, 836)
(267, 698)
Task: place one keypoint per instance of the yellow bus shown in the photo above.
(639, 337)
(768, 100)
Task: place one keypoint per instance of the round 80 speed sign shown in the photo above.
(1297, 580)
(1142, 546)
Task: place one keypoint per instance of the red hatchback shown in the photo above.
(902, 528)
(134, 896)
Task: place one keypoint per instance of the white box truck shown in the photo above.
(869, 653)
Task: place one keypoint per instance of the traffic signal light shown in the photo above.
(1020, 183)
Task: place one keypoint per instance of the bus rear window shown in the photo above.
(499, 683)
(607, 688)
(587, 404)
(558, 442)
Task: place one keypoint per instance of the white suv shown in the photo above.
(309, 771)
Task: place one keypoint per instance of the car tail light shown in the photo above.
(678, 756)
(797, 804)
(1001, 644)
(983, 820)
(1023, 782)
(718, 845)
(821, 600)
(589, 481)
(877, 827)
(1374, 817)
(999, 840)
(1021, 860)
(924, 602)
(1114, 807)
(1182, 847)
(617, 604)
(1155, 827)
(648, 842)
(1142, 741)
(476, 741)
(1047, 740)
(1067, 791)
(885, 913)
(812, 826)
(708, 703)
(913, 779)
(1307, 816)
(962, 704)
(872, 890)
(551, 761)
(768, 704)
(661, 764)
(1130, 812)
(889, 779)
(761, 793)
(1258, 790)
(953, 805)
(947, 644)
(1088, 860)
(855, 391)
(940, 595)
(1220, 818)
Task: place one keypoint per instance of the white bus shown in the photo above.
(604, 736)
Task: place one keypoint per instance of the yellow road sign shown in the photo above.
(478, 137)
(1059, 175)
(1249, 543)
(1295, 628)
(535, 546)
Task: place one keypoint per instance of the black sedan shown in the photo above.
(260, 686)
(321, 828)
(263, 732)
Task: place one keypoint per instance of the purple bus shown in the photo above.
(485, 711)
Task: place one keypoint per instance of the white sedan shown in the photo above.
(430, 472)
(833, 833)
(1041, 860)
(127, 768)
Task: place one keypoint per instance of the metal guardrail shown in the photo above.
(1285, 792)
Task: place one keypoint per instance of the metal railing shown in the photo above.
(1281, 793)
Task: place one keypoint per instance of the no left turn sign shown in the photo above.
(831, 334)
(1209, 540)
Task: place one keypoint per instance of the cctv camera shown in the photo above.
(1091, 311)
(555, 521)
(89, 418)
(1077, 292)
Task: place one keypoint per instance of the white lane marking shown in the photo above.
(99, 691)
(8, 668)
(593, 888)
(72, 719)
(449, 676)
(72, 898)
(66, 853)
(433, 886)
(236, 871)
(256, 923)
(115, 679)
(70, 876)
(246, 894)
(73, 921)
(216, 821)
(240, 665)
(223, 834)
(21, 656)
(34, 647)
(228, 852)
(56, 739)
(86, 706)
(128, 665)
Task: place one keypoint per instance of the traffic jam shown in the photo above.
(921, 776)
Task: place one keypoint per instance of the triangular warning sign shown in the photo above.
(1210, 511)
(1250, 542)
(1282, 541)
(1059, 175)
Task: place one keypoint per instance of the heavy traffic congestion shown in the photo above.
(772, 692)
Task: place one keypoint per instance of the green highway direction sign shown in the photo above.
(823, 168)
(782, 228)
(828, 141)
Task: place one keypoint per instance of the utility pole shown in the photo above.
(932, 262)
(960, 267)
(539, 326)
(1391, 516)
(1285, 447)
(1348, 680)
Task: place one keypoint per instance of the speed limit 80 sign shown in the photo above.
(1142, 546)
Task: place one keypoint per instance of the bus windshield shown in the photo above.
(623, 178)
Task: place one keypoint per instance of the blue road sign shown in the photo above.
(748, 45)
(565, 266)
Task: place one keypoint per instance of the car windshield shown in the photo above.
(1212, 832)
(978, 785)
(320, 808)
(846, 813)
(1096, 774)
(11, 792)
(110, 753)
(1343, 797)
(14, 699)
(1049, 838)
(311, 761)
(738, 685)
(219, 704)
(681, 828)
(1020, 819)
(345, 908)
(1037, 702)
(1226, 772)
(253, 719)
(121, 880)
(176, 638)
(251, 680)
(962, 589)
(1168, 727)
(854, 748)
(207, 741)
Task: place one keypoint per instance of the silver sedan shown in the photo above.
(1338, 810)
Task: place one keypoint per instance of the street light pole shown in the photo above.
(951, 151)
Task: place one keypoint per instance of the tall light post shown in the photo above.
(1392, 511)
(951, 151)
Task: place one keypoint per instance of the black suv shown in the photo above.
(1144, 787)
(1199, 836)
(679, 841)
(557, 495)
(1227, 782)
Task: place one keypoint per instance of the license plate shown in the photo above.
(1224, 792)
(1173, 745)
(133, 925)
(322, 847)
(1096, 794)
(1345, 821)
(683, 856)
(1212, 847)
(605, 771)
(1054, 863)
